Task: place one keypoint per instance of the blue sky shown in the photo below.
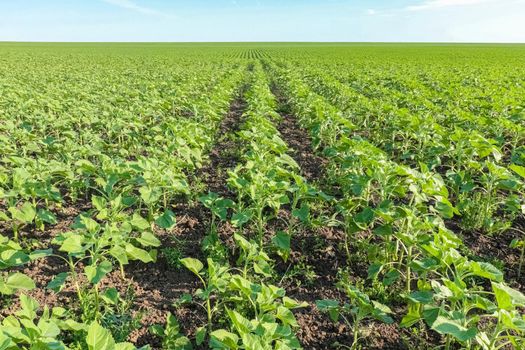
(246, 20)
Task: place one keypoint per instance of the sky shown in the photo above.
(272, 20)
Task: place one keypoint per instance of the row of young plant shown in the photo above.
(498, 127)
(493, 110)
(396, 214)
(485, 186)
(129, 201)
(475, 88)
(501, 124)
(245, 308)
(484, 100)
(136, 145)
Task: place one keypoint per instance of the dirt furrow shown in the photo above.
(300, 143)
(315, 258)
(164, 284)
(224, 154)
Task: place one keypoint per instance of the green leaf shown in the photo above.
(486, 270)
(148, 239)
(91, 225)
(26, 214)
(520, 170)
(166, 220)
(172, 324)
(120, 254)
(391, 277)
(95, 273)
(125, 346)
(39, 254)
(241, 323)
(444, 325)
(57, 283)
(85, 166)
(17, 281)
(48, 329)
(47, 216)
(111, 296)
(445, 209)
(507, 298)
(281, 241)
(29, 307)
(139, 222)
(381, 312)
(293, 304)
(366, 216)
(330, 306)
(99, 202)
(423, 297)
(150, 196)
(157, 330)
(72, 245)
(200, 335)
(135, 253)
(221, 208)
(286, 316)
(192, 264)
(384, 230)
(222, 339)
(218, 205)
(99, 338)
(374, 270)
(240, 218)
(209, 199)
(303, 213)
(412, 317)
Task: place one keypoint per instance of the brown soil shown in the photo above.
(315, 251)
(158, 286)
(312, 165)
(42, 271)
(300, 143)
(224, 154)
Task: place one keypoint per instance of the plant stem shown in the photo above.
(522, 255)
(409, 272)
(208, 310)
(356, 334)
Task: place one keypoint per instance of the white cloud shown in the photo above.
(130, 5)
(371, 12)
(437, 4)
(500, 26)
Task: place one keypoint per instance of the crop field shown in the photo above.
(262, 196)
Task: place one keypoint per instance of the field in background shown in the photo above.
(262, 196)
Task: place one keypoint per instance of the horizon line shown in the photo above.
(261, 42)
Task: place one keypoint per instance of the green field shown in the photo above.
(262, 196)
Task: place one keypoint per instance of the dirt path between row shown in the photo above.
(225, 153)
(312, 166)
(163, 284)
(315, 255)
